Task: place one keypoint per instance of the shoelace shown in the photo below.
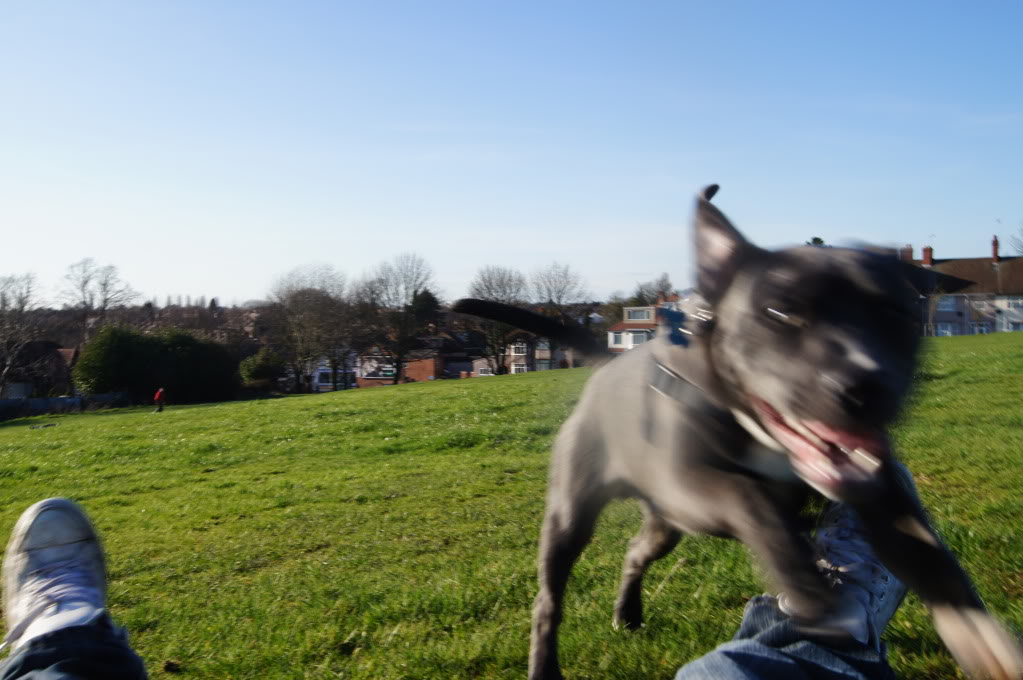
(858, 567)
(63, 581)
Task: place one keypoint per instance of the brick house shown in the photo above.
(991, 303)
(44, 369)
(436, 357)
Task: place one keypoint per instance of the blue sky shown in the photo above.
(206, 148)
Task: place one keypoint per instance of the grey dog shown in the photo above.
(782, 378)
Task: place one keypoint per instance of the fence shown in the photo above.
(19, 408)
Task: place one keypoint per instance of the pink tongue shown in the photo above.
(850, 440)
(796, 444)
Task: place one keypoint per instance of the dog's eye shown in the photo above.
(785, 316)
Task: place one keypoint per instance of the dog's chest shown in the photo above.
(677, 420)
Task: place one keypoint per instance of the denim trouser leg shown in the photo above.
(94, 652)
(769, 647)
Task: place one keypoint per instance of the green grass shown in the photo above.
(391, 533)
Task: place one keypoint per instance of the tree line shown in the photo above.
(310, 313)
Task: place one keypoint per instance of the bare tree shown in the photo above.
(400, 280)
(647, 292)
(399, 289)
(556, 288)
(500, 284)
(94, 290)
(1016, 240)
(18, 322)
(305, 301)
(319, 276)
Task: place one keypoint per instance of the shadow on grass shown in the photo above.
(44, 418)
(927, 375)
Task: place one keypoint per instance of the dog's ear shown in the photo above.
(719, 247)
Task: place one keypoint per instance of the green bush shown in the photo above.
(264, 366)
(189, 369)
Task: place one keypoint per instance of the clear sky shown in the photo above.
(205, 148)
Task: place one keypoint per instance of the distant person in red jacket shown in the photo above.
(159, 400)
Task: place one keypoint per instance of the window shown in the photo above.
(616, 338)
(946, 303)
(637, 314)
(519, 368)
(1014, 302)
(980, 327)
(944, 329)
(543, 364)
(1015, 326)
(484, 370)
(543, 344)
(638, 338)
(324, 378)
(519, 349)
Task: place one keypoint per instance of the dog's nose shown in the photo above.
(856, 397)
(863, 395)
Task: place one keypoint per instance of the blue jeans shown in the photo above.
(768, 646)
(94, 652)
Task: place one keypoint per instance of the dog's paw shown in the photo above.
(979, 643)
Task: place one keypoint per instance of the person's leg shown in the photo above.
(54, 600)
(770, 646)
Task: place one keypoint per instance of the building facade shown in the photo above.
(637, 326)
(992, 303)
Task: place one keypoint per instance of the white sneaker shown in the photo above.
(54, 572)
(849, 562)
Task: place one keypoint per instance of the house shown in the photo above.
(43, 369)
(525, 354)
(435, 357)
(322, 377)
(636, 327)
(993, 302)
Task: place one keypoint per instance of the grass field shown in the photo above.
(390, 533)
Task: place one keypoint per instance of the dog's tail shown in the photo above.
(566, 332)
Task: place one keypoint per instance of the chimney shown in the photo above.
(928, 256)
(994, 250)
(906, 253)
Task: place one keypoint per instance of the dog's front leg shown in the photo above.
(899, 531)
(744, 508)
(775, 538)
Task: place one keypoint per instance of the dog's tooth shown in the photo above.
(825, 469)
(865, 459)
(831, 470)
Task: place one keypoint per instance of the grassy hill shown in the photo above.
(391, 533)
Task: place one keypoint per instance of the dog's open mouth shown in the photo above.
(829, 458)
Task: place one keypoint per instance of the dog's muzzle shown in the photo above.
(837, 462)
